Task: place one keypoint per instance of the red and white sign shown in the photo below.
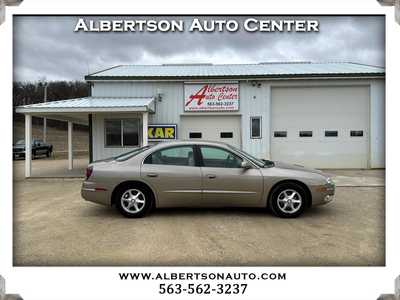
(212, 97)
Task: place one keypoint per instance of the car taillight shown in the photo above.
(89, 172)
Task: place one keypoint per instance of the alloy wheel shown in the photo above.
(289, 201)
(133, 201)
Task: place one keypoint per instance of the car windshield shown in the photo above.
(130, 154)
(262, 163)
(20, 142)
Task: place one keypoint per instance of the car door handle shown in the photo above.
(152, 175)
(211, 176)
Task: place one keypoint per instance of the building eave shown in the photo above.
(233, 77)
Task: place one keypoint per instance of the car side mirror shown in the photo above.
(245, 165)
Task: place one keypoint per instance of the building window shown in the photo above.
(194, 135)
(280, 134)
(354, 133)
(121, 132)
(255, 127)
(331, 133)
(226, 135)
(305, 134)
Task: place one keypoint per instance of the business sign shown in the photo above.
(158, 132)
(212, 97)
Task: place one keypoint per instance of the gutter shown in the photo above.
(244, 78)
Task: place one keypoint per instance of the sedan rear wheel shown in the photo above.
(133, 202)
(288, 200)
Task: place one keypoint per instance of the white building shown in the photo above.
(323, 115)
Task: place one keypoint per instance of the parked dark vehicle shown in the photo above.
(38, 148)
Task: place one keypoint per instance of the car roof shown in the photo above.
(190, 142)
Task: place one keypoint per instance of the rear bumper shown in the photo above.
(323, 194)
(90, 191)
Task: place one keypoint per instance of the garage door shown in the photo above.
(321, 127)
(213, 128)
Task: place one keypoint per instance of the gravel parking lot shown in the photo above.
(53, 226)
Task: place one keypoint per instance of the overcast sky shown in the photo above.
(48, 47)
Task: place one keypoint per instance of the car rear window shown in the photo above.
(130, 154)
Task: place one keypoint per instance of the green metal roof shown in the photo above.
(268, 70)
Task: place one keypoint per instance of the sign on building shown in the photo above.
(211, 97)
(158, 132)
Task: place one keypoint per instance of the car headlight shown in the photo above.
(329, 181)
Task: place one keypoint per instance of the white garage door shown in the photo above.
(321, 127)
(213, 128)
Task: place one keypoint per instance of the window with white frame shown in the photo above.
(255, 127)
(122, 132)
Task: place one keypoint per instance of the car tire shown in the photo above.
(33, 154)
(133, 201)
(288, 200)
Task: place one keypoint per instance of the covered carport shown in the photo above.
(81, 111)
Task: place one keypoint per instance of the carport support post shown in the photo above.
(70, 154)
(28, 145)
(145, 122)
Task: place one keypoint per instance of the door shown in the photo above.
(225, 182)
(173, 174)
(219, 128)
(321, 127)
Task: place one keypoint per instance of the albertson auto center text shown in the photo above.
(196, 25)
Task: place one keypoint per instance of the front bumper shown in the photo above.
(90, 191)
(323, 194)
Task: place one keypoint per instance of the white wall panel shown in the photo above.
(255, 101)
(168, 109)
(377, 147)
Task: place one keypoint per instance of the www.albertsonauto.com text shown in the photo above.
(202, 276)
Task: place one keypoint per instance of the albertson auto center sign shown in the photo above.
(212, 97)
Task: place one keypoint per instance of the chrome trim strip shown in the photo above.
(227, 192)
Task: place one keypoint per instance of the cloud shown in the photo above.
(49, 47)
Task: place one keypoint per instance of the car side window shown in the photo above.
(175, 156)
(214, 157)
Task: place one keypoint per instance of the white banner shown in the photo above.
(212, 97)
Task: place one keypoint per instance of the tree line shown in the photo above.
(25, 93)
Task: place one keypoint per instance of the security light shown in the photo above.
(395, 3)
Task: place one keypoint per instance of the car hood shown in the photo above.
(282, 165)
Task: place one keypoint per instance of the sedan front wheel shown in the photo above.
(288, 200)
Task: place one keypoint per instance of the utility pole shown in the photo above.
(45, 119)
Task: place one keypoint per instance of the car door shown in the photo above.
(225, 182)
(174, 175)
